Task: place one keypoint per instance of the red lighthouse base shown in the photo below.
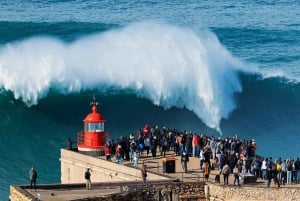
(91, 141)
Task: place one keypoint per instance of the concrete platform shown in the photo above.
(155, 165)
(71, 194)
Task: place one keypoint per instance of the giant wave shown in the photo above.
(170, 66)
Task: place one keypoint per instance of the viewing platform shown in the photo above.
(158, 176)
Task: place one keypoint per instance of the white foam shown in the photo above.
(171, 66)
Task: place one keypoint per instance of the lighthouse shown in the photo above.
(93, 137)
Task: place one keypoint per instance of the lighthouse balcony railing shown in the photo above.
(81, 138)
(95, 153)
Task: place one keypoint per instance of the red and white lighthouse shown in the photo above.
(93, 136)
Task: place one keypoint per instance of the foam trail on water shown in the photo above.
(171, 66)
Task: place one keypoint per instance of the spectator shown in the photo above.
(283, 172)
(264, 169)
(297, 170)
(136, 158)
(107, 152)
(289, 171)
(207, 153)
(202, 159)
(213, 147)
(226, 171)
(236, 176)
(69, 144)
(274, 173)
(206, 171)
(132, 149)
(184, 161)
(144, 173)
(147, 145)
(119, 158)
(87, 177)
(195, 145)
(33, 177)
(163, 145)
(256, 167)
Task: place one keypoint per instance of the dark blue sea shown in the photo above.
(214, 67)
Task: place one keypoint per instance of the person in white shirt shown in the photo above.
(264, 169)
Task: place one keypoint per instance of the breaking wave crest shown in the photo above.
(170, 66)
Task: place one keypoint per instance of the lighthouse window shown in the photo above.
(95, 126)
(99, 126)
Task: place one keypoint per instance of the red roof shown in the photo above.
(94, 116)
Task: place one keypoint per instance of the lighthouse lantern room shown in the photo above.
(93, 136)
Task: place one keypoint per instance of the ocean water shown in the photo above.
(213, 67)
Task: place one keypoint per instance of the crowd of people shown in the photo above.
(239, 155)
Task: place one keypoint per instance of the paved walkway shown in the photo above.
(194, 173)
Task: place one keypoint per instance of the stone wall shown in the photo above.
(178, 191)
(252, 193)
(165, 192)
(196, 192)
(171, 191)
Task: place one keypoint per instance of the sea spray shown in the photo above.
(169, 65)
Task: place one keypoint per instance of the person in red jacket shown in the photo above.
(195, 145)
(107, 152)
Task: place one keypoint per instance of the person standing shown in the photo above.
(69, 144)
(297, 170)
(226, 171)
(264, 169)
(269, 171)
(147, 145)
(163, 145)
(107, 152)
(153, 146)
(33, 177)
(256, 167)
(195, 145)
(274, 173)
(119, 157)
(283, 172)
(236, 176)
(289, 168)
(87, 176)
(207, 153)
(206, 171)
(144, 173)
(213, 147)
(136, 158)
(132, 149)
(202, 159)
(184, 161)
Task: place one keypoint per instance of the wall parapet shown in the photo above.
(17, 193)
(252, 193)
(74, 164)
(176, 191)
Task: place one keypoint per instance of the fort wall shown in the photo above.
(191, 191)
(74, 164)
